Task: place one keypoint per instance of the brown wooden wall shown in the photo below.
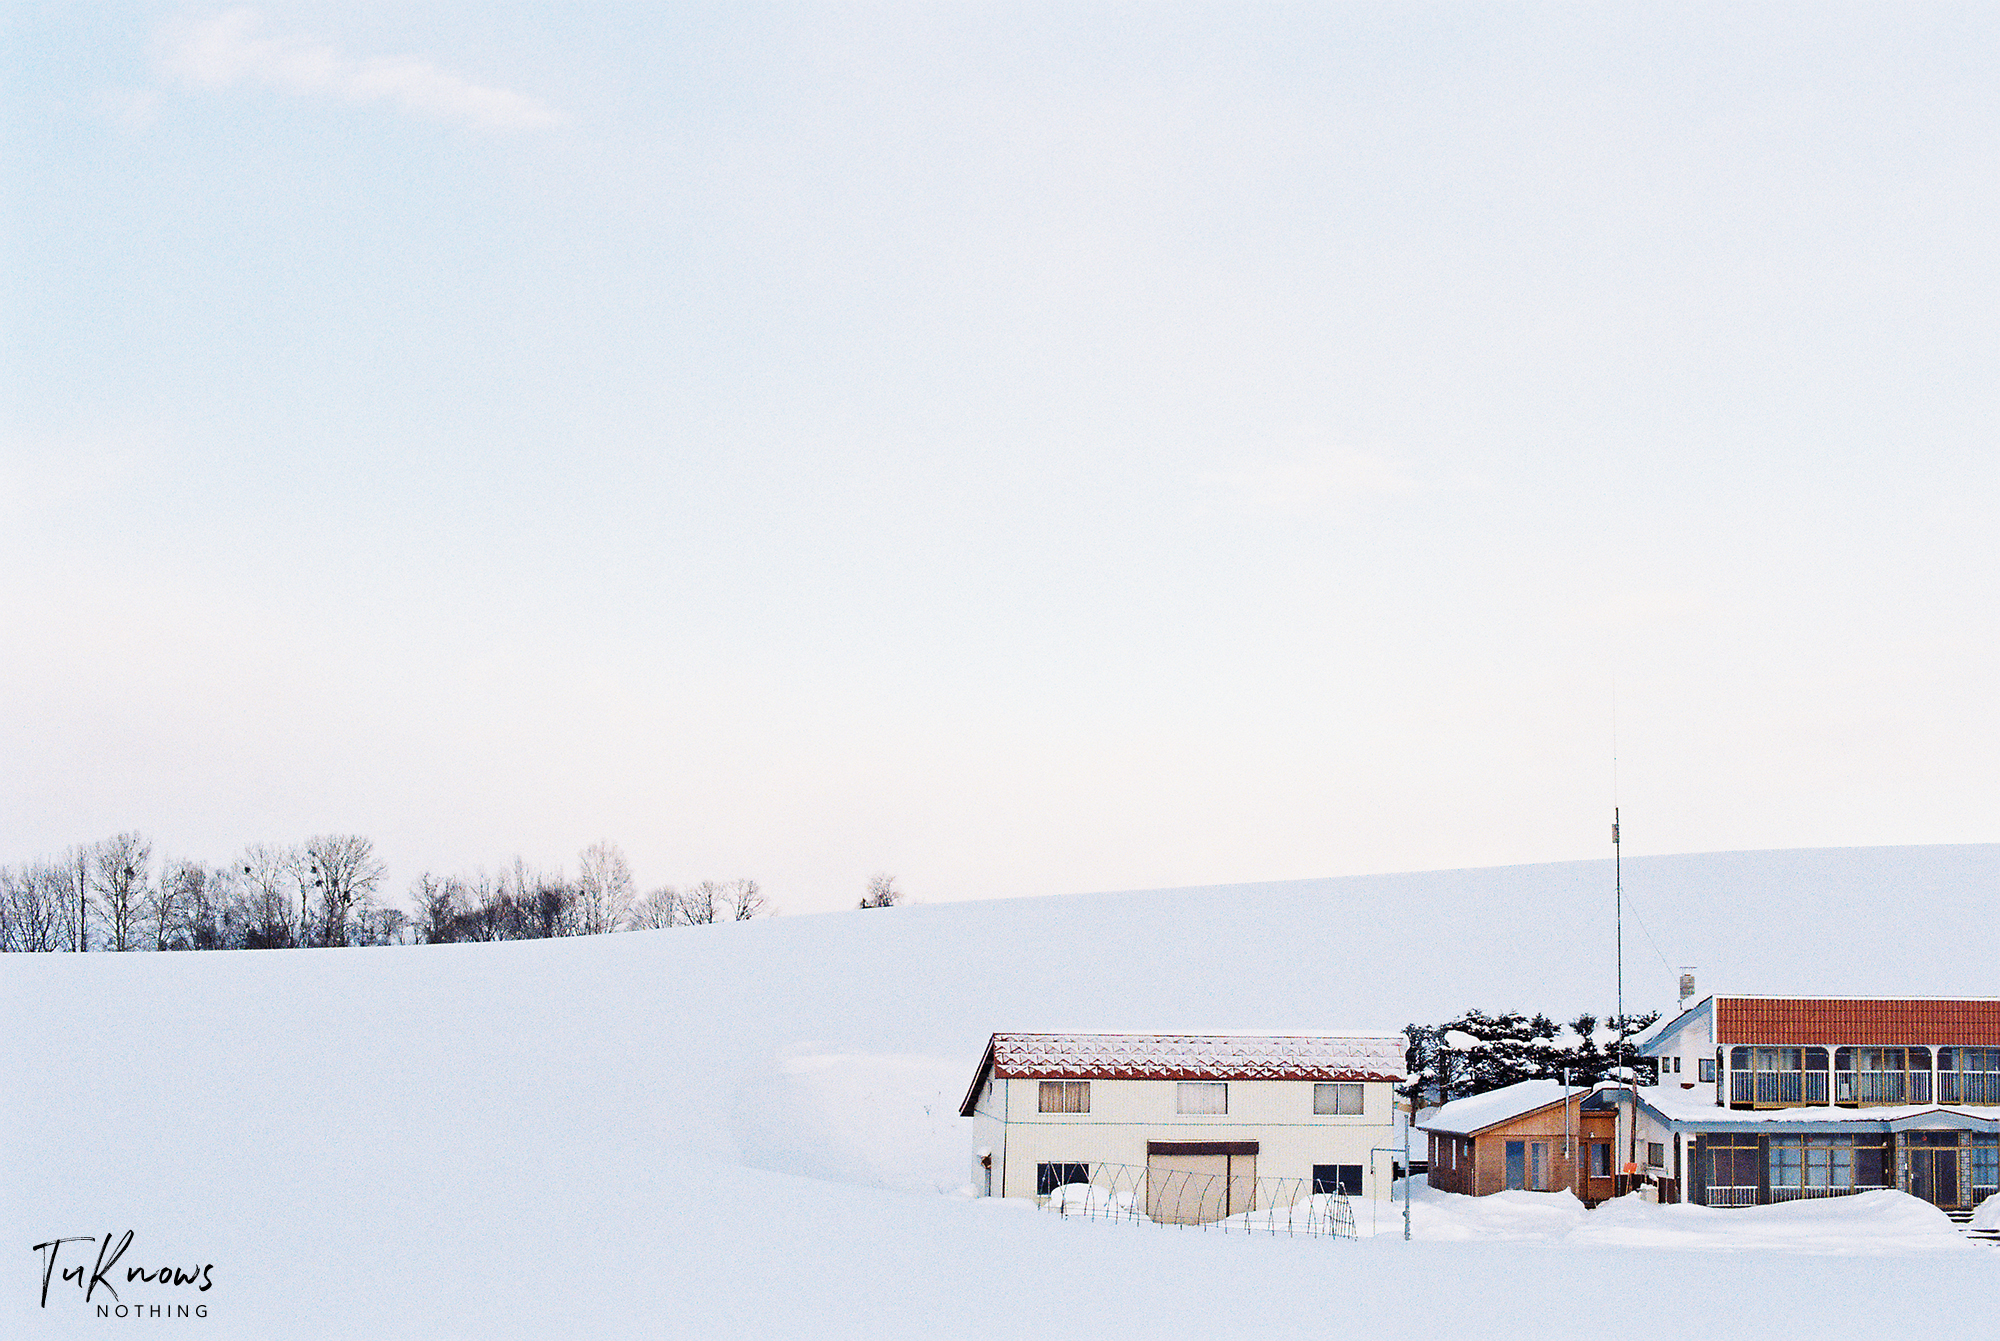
(1485, 1171)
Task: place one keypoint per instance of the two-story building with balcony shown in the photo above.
(1771, 1099)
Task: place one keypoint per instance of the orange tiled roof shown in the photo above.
(1830, 1021)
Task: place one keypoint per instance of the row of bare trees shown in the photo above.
(521, 903)
(109, 895)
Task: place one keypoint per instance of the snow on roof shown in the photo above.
(1200, 1056)
(1190, 1057)
(1698, 1106)
(1463, 1117)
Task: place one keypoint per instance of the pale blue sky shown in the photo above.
(1021, 448)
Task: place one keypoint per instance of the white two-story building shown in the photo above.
(1195, 1127)
(1767, 1099)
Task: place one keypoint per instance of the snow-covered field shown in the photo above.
(750, 1130)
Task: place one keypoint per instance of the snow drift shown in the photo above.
(723, 1130)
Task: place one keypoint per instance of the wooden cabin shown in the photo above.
(1535, 1136)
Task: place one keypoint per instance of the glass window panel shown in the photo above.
(1201, 1097)
(1815, 1059)
(1337, 1098)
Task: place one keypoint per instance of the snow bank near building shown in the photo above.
(884, 1120)
(1870, 1224)
(1518, 1217)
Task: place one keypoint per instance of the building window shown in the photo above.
(1049, 1177)
(1339, 1099)
(1656, 1155)
(1201, 1097)
(1527, 1168)
(1985, 1164)
(1342, 1178)
(1065, 1096)
(1825, 1165)
(1969, 1075)
(1600, 1159)
(1732, 1170)
(1677, 1065)
(1707, 1073)
(1777, 1076)
(1882, 1076)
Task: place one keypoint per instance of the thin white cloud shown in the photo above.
(1309, 485)
(230, 49)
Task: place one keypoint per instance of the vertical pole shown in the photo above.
(1624, 1052)
(1408, 1118)
(1569, 1152)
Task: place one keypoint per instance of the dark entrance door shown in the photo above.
(1933, 1168)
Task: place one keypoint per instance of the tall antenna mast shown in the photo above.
(1618, 896)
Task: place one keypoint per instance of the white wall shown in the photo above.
(1125, 1114)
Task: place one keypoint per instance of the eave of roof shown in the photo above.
(1297, 1056)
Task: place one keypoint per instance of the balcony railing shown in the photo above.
(1777, 1088)
(1969, 1087)
(1882, 1087)
(1731, 1196)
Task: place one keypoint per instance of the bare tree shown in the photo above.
(604, 889)
(657, 911)
(552, 908)
(270, 875)
(374, 924)
(441, 906)
(35, 911)
(702, 903)
(216, 914)
(118, 882)
(882, 892)
(489, 911)
(180, 885)
(746, 901)
(74, 872)
(345, 871)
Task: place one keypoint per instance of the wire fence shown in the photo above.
(1192, 1200)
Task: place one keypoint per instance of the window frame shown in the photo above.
(1185, 1089)
(1068, 1094)
(1046, 1181)
(1335, 1091)
(1344, 1179)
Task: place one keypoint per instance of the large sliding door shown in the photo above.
(1195, 1182)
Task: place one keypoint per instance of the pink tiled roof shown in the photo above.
(1189, 1057)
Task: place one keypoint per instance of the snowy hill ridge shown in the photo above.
(415, 1111)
